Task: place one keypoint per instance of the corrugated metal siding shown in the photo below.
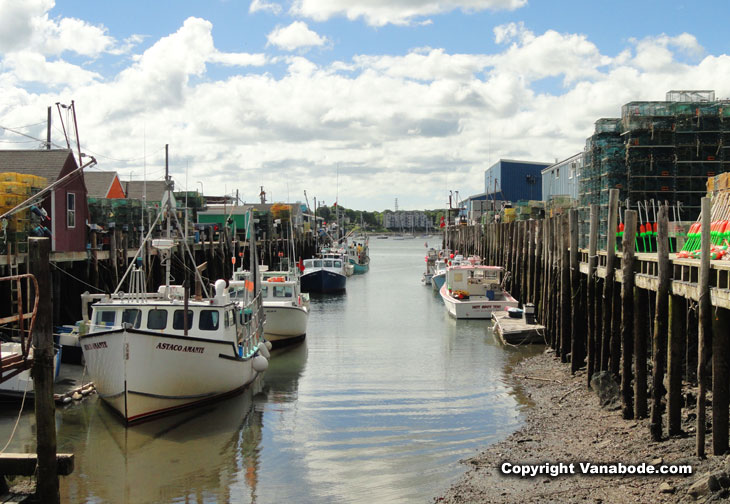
(512, 177)
(561, 179)
(491, 174)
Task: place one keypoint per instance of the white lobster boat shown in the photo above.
(473, 292)
(155, 353)
(286, 308)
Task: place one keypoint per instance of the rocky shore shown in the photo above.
(567, 424)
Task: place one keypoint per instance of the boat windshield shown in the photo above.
(338, 264)
(283, 291)
(328, 264)
(317, 264)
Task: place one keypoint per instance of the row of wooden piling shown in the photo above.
(638, 335)
(101, 269)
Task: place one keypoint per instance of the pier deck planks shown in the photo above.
(513, 331)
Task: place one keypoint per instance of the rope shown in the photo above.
(17, 420)
(75, 278)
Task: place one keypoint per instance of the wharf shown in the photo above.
(516, 331)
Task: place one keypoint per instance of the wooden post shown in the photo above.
(39, 252)
(537, 277)
(592, 350)
(720, 380)
(677, 325)
(627, 314)
(661, 318)
(113, 254)
(704, 326)
(566, 326)
(94, 260)
(641, 307)
(608, 289)
(578, 326)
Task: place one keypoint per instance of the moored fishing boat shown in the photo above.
(472, 291)
(357, 256)
(286, 308)
(324, 274)
(150, 353)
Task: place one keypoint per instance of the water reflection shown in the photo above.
(378, 404)
(209, 454)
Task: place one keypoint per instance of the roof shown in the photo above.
(43, 163)
(135, 189)
(98, 183)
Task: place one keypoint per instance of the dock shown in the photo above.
(516, 331)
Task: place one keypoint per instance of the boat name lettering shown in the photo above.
(95, 346)
(180, 348)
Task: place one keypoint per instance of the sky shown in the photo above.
(357, 101)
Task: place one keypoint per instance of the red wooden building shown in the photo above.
(66, 204)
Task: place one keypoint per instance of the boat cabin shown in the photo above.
(326, 262)
(484, 281)
(164, 318)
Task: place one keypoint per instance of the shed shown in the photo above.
(103, 184)
(150, 190)
(514, 180)
(66, 204)
(561, 178)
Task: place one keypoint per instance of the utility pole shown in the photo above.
(48, 130)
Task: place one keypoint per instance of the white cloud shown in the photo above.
(295, 36)
(238, 59)
(33, 67)
(262, 6)
(380, 13)
(26, 26)
(394, 124)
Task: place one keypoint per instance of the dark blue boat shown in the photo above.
(323, 275)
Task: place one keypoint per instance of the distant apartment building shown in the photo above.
(406, 220)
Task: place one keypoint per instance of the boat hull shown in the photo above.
(476, 307)
(360, 268)
(285, 325)
(142, 374)
(437, 281)
(323, 282)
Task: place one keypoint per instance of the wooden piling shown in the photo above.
(641, 306)
(566, 325)
(537, 275)
(39, 250)
(661, 318)
(591, 349)
(720, 380)
(608, 285)
(675, 355)
(627, 314)
(704, 326)
(578, 325)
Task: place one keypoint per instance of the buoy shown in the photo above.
(264, 351)
(269, 346)
(260, 364)
(76, 396)
(67, 400)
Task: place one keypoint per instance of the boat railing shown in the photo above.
(252, 324)
(24, 284)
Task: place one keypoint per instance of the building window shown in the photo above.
(70, 210)
(557, 173)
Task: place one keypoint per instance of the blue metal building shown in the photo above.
(514, 180)
(561, 178)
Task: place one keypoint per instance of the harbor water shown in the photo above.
(379, 404)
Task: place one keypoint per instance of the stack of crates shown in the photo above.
(15, 188)
(666, 151)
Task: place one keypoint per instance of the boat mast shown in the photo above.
(169, 209)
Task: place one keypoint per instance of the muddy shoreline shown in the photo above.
(567, 424)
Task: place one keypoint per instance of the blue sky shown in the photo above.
(406, 99)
